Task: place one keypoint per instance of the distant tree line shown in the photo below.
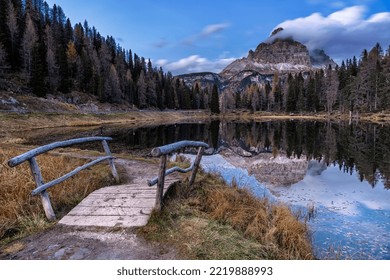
(355, 86)
(40, 47)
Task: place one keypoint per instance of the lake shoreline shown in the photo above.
(10, 121)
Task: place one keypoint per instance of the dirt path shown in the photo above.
(78, 243)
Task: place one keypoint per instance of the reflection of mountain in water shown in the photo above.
(363, 147)
(279, 171)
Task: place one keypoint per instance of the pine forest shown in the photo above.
(44, 53)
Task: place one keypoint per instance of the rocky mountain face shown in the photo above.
(282, 55)
(204, 78)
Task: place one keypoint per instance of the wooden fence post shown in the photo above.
(110, 161)
(160, 183)
(196, 166)
(36, 172)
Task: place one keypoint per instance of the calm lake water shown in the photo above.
(340, 170)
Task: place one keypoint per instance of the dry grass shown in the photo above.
(12, 122)
(216, 221)
(21, 213)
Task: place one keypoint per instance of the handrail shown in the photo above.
(170, 148)
(43, 149)
(41, 187)
(162, 152)
(154, 181)
(68, 175)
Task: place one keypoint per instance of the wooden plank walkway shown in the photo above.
(127, 205)
(115, 206)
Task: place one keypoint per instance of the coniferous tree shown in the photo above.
(214, 102)
(30, 38)
(331, 89)
(3, 63)
(141, 91)
(277, 93)
(292, 96)
(13, 28)
(300, 93)
(312, 97)
(38, 73)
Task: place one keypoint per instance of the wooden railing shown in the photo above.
(41, 187)
(162, 152)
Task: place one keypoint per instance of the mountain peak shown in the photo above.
(278, 54)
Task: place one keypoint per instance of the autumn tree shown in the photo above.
(51, 60)
(276, 94)
(141, 92)
(71, 55)
(30, 37)
(112, 86)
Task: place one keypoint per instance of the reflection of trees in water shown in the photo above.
(154, 136)
(364, 147)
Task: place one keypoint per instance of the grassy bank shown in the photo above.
(209, 221)
(21, 213)
(216, 221)
(17, 122)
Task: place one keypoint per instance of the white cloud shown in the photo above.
(213, 28)
(193, 64)
(161, 62)
(207, 31)
(341, 34)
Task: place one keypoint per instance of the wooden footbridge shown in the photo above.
(127, 205)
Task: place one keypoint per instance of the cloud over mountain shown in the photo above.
(341, 34)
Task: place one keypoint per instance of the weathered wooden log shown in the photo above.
(36, 172)
(196, 165)
(44, 187)
(160, 183)
(43, 149)
(167, 149)
(154, 181)
(110, 161)
(41, 187)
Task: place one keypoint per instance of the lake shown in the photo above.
(336, 174)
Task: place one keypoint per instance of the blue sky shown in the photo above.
(194, 36)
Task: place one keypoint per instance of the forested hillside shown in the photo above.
(357, 85)
(43, 52)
